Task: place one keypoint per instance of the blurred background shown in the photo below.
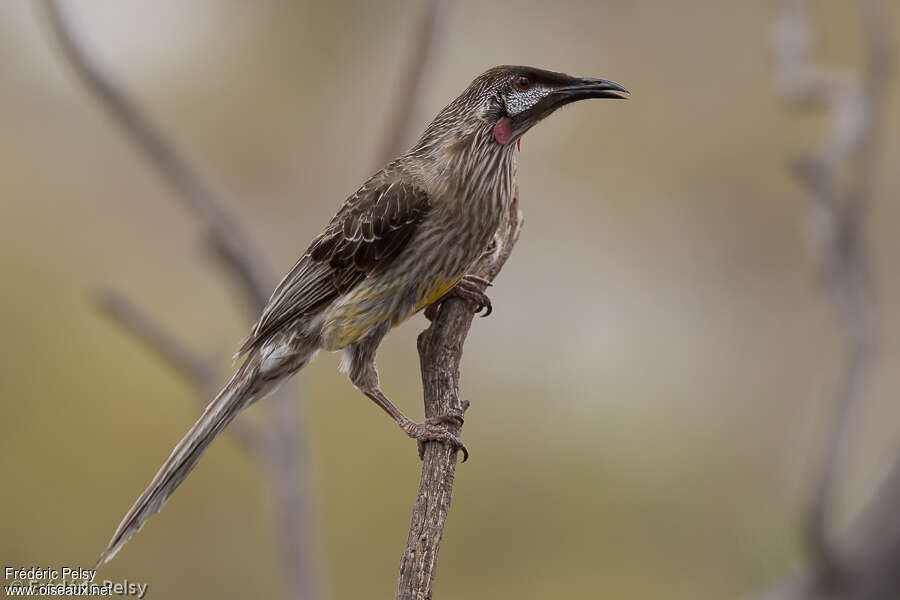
(650, 398)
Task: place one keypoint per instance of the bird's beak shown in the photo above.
(589, 87)
(572, 91)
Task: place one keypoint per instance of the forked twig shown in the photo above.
(839, 180)
(245, 264)
(239, 253)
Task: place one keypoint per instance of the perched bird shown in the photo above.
(401, 242)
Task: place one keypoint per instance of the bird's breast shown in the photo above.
(452, 237)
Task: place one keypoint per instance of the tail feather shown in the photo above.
(244, 388)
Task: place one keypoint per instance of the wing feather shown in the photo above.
(369, 231)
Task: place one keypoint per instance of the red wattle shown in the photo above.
(503, 132)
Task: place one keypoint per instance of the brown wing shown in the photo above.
(368, 232)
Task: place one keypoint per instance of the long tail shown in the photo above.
(247, 386)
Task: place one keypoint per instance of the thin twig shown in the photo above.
(246, 265)
(839, 179)
(292, 499)
(194, 369)
(869, 551)
(227, 235)
(440, 352)
(411, 89)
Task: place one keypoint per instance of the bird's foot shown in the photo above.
(434, 429)
(471, 289)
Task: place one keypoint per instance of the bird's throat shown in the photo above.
(503, 131)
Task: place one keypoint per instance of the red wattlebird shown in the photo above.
(400, 243)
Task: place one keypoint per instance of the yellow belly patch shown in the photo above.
(350, 321)
(436, 291)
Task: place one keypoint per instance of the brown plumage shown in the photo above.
(405, 239)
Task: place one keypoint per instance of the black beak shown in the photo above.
(590, 88)
(572, 89)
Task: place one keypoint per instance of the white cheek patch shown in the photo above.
(519, 100)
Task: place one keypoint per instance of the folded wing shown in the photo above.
(370, 230)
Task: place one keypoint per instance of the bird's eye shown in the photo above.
(523, 83)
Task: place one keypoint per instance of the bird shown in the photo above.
(403, 242)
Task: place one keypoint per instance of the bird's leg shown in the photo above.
(433, 429)
(469, 288)
(364, 376)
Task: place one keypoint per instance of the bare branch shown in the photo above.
(440, 346)
(246, 265)
(869, 551)
(292, 501)
(411, 90)
(440, 352)
(227, 236)
(839, 178)
(195, 370)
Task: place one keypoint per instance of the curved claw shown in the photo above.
(465, 452)
(455, 443)
(470, 289)
(435, 429)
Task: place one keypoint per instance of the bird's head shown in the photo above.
(507, 101)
